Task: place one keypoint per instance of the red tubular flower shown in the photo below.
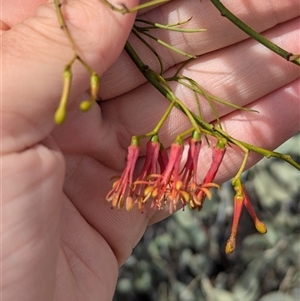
(163, 159)
(149, 168)
(189, 172)
(122, 188)
(241, 199)
(165, 187)
(172, 168)
(203, 190)
(259, 225)
(238, 206)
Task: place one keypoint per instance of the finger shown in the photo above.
(30, 208)
(34, 54)
(220, 32)
(85, 259)
(16, 11)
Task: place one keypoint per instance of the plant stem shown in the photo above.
(264, 152)
(126, 10)
(205, 127)
(155, 131)
(256, 36)
(169, 27)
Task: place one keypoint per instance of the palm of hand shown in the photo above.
(92, 239)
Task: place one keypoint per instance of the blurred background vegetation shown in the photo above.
(182, 258)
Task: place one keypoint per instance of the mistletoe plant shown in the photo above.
(166, 179)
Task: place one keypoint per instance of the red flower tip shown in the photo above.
(122, 188)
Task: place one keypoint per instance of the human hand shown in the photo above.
(59, 239)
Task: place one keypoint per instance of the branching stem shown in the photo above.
(206, 128)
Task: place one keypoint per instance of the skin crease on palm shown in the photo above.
(60, 240)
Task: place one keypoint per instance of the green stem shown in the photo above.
(161, 42)
(63, 24)
(151, 48)
(268, 154)
(126, 10)
(188, 113)
(189, 132)
(144, 70)
(169, 27)
(156, 80)
(206, 128)
(256, 36)
(264, 152)
(242, 168)
(155, 131)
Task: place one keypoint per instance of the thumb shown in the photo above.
(34, 54)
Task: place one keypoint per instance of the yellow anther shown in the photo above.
(85, 105)
(60, 115)
(230, 245)
(129, 203)
(260, 227)
(185, 195)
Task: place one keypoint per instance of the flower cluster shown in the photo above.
(164, 183)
